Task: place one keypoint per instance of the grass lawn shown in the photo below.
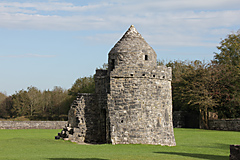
(191, 144)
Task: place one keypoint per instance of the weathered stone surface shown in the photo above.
(226, 125)
(132, 102)
(234, 152)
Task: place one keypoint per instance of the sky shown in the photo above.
(47, 43)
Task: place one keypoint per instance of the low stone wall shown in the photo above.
(32, 124)
(225, 125)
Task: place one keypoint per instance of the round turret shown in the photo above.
(131, 51)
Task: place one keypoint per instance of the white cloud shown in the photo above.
(180, 22)
(35, 7)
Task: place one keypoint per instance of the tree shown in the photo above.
(192, 88)
(47, 103)
(226, 90)
(59, 97)
(6, 108)
(83, 85)
(2, 97)
(35, 99)
(20, 103)
(229, 50)
(227, 67)
(3, 110)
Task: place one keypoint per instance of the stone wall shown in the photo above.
(32, 124)
(226, 125)
(102, 88)
(140, 106)
(83, 120)
(182, 119)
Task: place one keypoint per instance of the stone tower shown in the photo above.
(132, 103)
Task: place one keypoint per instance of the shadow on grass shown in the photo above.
(76, 159)
(195, 155)
(214, 145)
(222, 146)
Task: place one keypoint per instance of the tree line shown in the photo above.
(197, 86)
(213, 86)
(43, 105)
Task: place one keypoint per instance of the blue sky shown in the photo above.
(47, 43)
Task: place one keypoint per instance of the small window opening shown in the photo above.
(121, 121)
(153, 75)
(78, 121)
(163, 76)
(143, 74)
(146, 57)
(131, 75)
(113, 64)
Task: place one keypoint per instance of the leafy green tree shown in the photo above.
(20, 103)
(59, 97)
(192, 88)
(226, 90)
(83, 85)
(6, 108)
(2, 97)
(2, 105)
(180, 69)
(229, 50)
(226, 65)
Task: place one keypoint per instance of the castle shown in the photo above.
(132, 103)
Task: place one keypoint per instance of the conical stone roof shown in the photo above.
(132, 51)
(132, 41)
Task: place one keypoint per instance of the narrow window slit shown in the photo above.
(146, 57)
(113, 64)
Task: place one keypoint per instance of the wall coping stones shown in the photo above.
(32, 124)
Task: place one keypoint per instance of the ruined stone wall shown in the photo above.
(32, 124)
(83, 119)
(140, 106)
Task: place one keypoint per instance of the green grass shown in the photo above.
(191, 144)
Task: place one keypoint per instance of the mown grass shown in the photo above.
(191, 144)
